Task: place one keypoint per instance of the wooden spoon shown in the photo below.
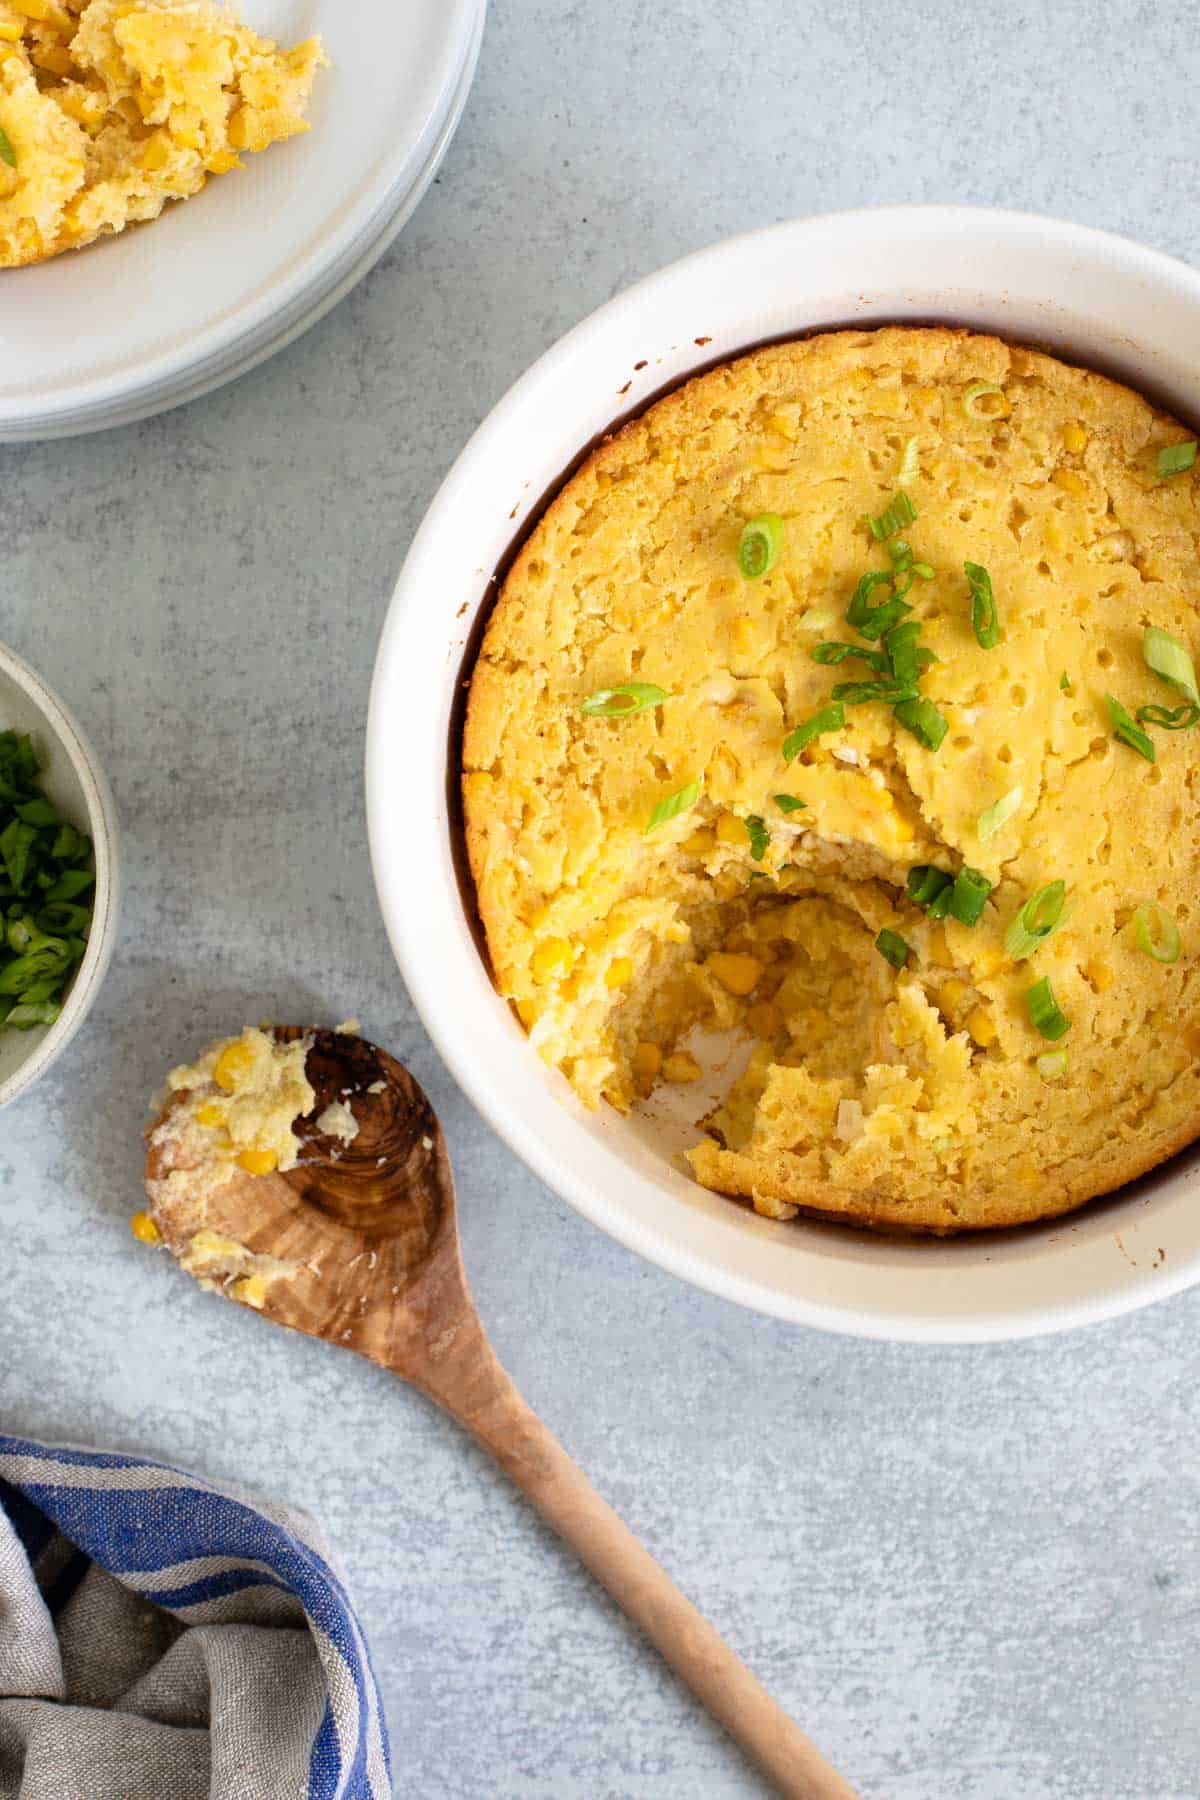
(370, 1229)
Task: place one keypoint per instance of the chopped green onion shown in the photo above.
(900, 554)
(1064, 682)
(923, 719)
(895, 516)
(873, 621)
(788, 803)
(1126, 731)
(985, 620)
(858, 693)
(1044, 1011)
(674, 804)
(1168, 658)
(999, 813)
(830, 718)
(909, 468)
(893, 948)
(833, 652)
(925, 570)
(1170, 718)
(978, 392)
(925, 883)
(620, 702)
(7, 153)
(1052, 1064)
(760, 837)
(902, 652)
(1157, 933)
(818, 618)
(968, 896)
(759, 545)
(1041, 914)
(1175, 458)
(756, 875)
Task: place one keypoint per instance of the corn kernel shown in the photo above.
(1100, 974)
(732, 830)
(156, 152)
(212, 1117)
(979, 1024)
(902, 829)
(989, 962)
(647, 1062)
(939, 949)
(680, 1067)
(527, 1012)
(551, 956)
(10, 31)
(737, 973)
(242, 127)
(144, 1229)
(951, 994)
(234, 1062)
(251, 1290)
(221, 161)
(1074, 439)
(47, 12)
(1070, 482)
(618, 972)
(742, 635)
(764, 1019)
(699, 842)
(258, 1162)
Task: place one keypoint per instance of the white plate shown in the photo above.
(74, 780)
(1096, 297)
(166, 310)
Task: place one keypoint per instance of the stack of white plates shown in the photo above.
(172, 309)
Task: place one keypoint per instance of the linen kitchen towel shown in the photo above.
(165, 1639)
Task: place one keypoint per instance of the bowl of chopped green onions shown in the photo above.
(58, 879)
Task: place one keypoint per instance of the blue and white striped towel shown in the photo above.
(162, 1638)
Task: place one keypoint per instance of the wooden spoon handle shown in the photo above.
(471, 1385)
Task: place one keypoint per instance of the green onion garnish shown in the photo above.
(899, 554)
(925, 883)
(1044, 1011)
(922, 718)
(760, 837)
(909, 468)
(985, 620)
(892, 948)
(45, 873)
(1175, 458)
(818, 618)
(902, 651)
(925, 570)
(899, 512)
(788, 803)
(974, 396)
(1170, 718)
(1157, 933)
(674, 804)
(620, 702)
(833, 652)
(999, 813)
(1064, 682)
(830, 718)
(968, 896)
(1041, 914)
(759, 545)
(1127, 731)
(1169, 659)
(7, 153)
(1052, 1064)
(873, 621)
(858, 693)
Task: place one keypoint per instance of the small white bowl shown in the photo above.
(74, 780)
(1094, 298)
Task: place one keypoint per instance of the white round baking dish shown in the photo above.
(1093, 297)
(75, 782)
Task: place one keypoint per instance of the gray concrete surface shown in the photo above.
(973, 1574)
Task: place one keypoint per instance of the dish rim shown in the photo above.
(496, 1096)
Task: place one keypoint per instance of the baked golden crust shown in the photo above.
(910, 1100)
(110, 108)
